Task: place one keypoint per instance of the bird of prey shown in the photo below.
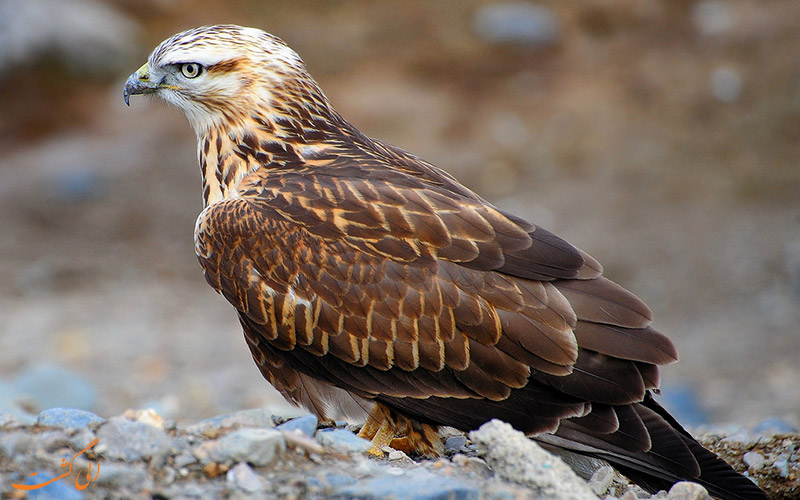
(368, 280)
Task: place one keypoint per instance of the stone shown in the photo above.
(255, 446)
(16, 443)
(123, 439)
(601, 480)
(517, 23)
(456, 443)
(124, 476)
(243, 476)
(343, 440)
(516, 458)
(417, 484)
(256, 417)
(68, 418)
(754, 460)
(307, 424)
(685, 490)
(60, 490)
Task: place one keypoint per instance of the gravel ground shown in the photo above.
(252, 453)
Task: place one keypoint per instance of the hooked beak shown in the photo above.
(139, 83)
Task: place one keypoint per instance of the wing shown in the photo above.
(401, 292)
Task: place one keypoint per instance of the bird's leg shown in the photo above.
(385, 427)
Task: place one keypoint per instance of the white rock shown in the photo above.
(516, 458)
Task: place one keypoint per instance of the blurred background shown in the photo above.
(662, 137)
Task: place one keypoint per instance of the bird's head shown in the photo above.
(222, 74)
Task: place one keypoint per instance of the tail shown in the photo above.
(671, 454)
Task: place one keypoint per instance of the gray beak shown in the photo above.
(139, 83)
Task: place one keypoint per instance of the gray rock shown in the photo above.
(754, 460)
(57, 490)
(772, 426)
(343, 440)
(256, 417)
(122, 439)
(68, 418)
(48, 386)
(517, 23)
(685, 490)
(516, 458)
(725, 84)
(256, 446)
(417, 484)
(456, 443)
(16, 443)
(124, 476)
(242, 476)
(307, 424)
(781, 463)
(602, 480)
(53, 441)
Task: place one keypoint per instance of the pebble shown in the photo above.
(255, 446)
(68, 418)
(417, 484)
(256, 417)
(243, 476)
(754, 460)
(306, 424)
(15, 443)
(343, 440)
(124, 476)
(514, 457)
(517, 23)
(456, 443)
(601, 480)
(57, 490)
(686, 490)
(123, 439)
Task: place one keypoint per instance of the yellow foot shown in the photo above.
(380, 438)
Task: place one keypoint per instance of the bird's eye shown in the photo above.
(191, 70)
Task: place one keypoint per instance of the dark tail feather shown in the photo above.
(674, 455)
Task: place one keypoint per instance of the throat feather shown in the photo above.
(223, 165)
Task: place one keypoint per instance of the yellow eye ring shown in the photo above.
(191, 70)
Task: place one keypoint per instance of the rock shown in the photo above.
(343, 440)
(123, 439)
(48, 386)
(68, 418)
(256, 417)
(53, 441)
(57, 490)
(255, 446)
(242, 476)
(781, 464)
(306, 424)
(84, 35)
(474, 466)
(417, 484)
(456, 443)
(516, 458)
(754, 460)
(517, 23)
(16, 443)
(602, 480)
(686, 490)
(118, 476)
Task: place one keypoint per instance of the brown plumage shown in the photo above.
(368, 281)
